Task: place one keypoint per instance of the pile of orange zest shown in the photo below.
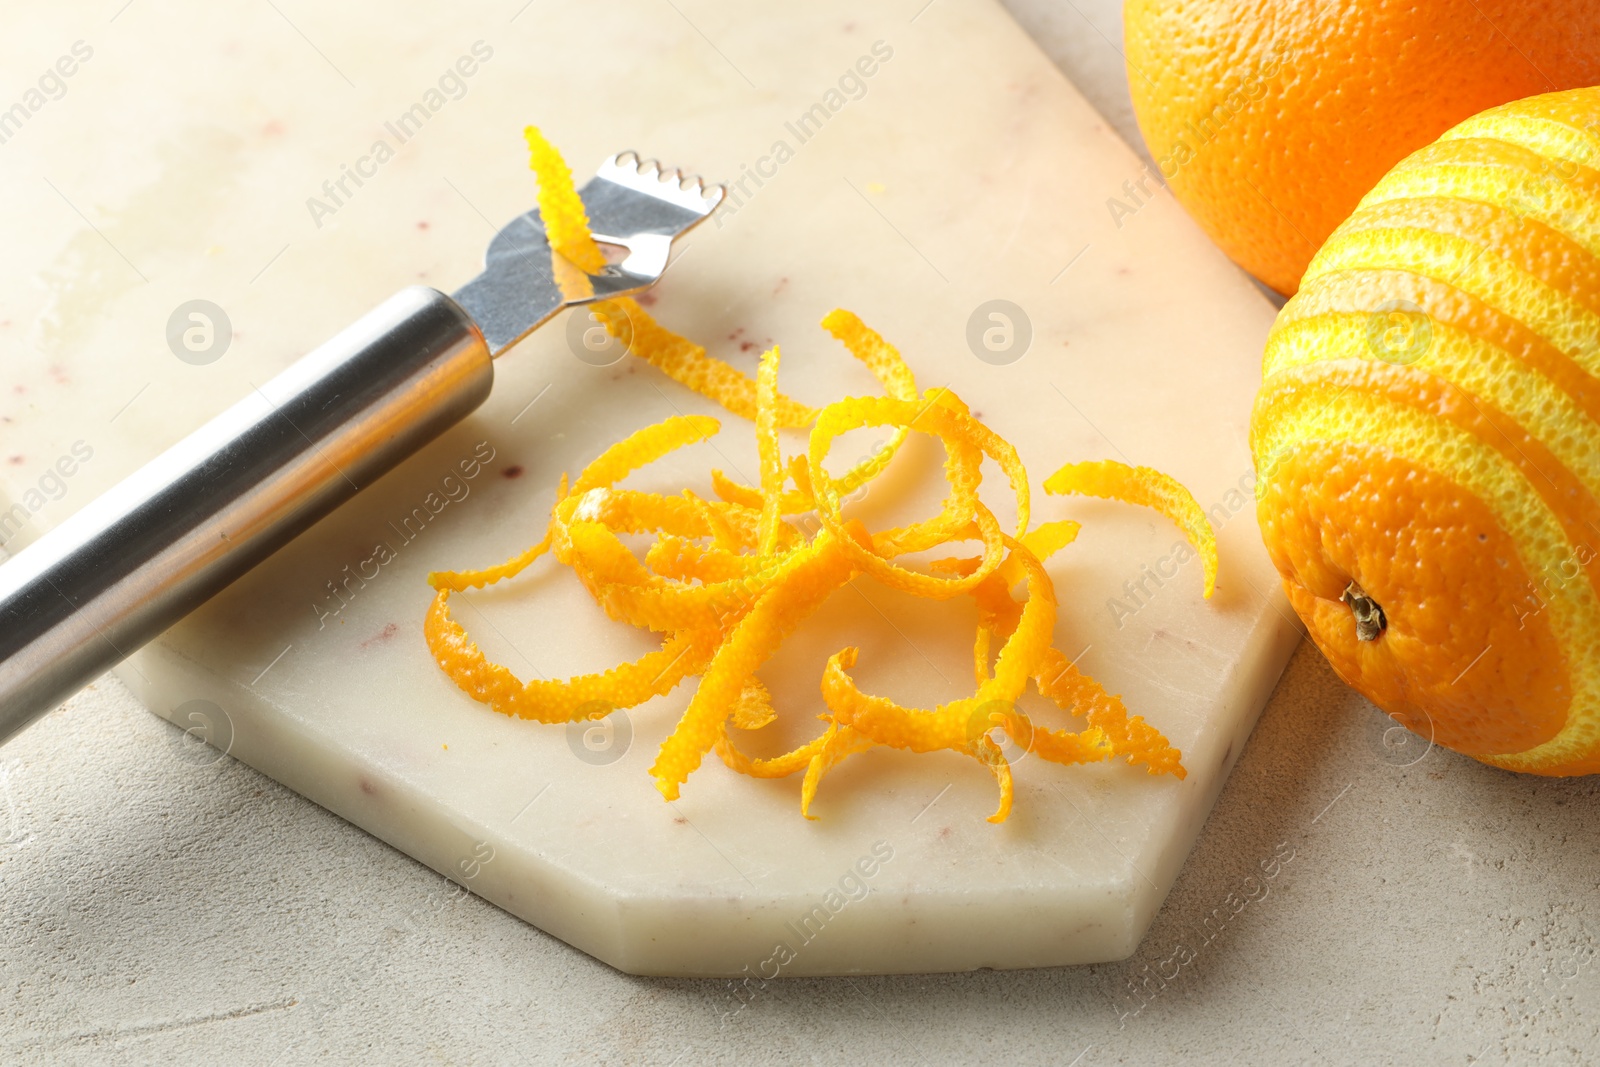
(963, 516)
(886, 364)
(1149, 488)
(725, 581)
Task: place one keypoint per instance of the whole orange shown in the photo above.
(1427, 439)
(1269, 119)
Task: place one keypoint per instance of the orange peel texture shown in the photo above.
(1111, 480)
(725, 581)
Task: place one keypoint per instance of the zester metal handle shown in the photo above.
(136, 560)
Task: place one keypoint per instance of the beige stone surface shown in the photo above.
(1349, 901)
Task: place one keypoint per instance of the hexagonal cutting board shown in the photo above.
(918, 165)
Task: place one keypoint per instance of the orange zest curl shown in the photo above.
(1111, 480)
(726, 580)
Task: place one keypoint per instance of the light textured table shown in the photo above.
(1350, 901)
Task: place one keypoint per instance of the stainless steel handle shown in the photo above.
(180, 529)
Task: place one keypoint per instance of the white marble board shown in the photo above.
(964, 169)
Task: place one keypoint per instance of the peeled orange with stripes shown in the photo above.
(1427, 439)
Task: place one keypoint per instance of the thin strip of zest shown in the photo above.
(1060, 680)
(580, 697)
(642, 447)
(566, 224)
(688, 364)
(572, 244)
(768, 451)
(892, 372)
(1149, 488)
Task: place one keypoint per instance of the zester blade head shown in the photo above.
(631, 202)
